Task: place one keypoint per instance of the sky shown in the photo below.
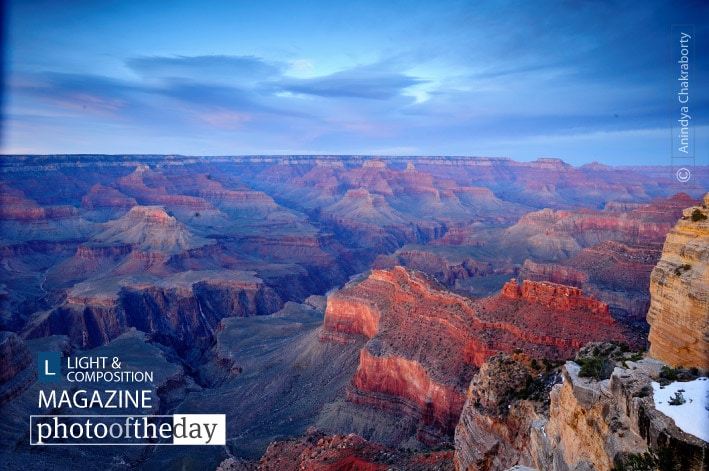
(578, 80)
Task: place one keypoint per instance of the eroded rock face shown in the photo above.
(181, 311)
(679, 287)
(614, 272)
(594, 425)
(318, 451)
(445, 271)
(553, 321)
(16, 371)
(425, 342)
(557, 296)
(437, 403)
(503, 400)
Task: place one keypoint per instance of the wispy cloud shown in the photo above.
(212, 68)
(91, 94)
(354, 83)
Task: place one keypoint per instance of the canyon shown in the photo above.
(396, 304)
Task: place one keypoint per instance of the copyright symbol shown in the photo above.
(683, 175)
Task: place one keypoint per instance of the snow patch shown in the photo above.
(692, 416)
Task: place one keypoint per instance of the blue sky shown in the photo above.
(578, 80)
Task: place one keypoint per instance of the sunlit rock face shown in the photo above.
(424, 342)
(503, 400)
(598, 424)
(679, 286)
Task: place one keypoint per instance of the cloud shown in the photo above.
(85, 93)
(208, 68)
(443, 77)
(353, 83)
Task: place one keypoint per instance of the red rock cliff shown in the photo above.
(425, 342)
(560, 297)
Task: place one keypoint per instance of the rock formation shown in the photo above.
(679, 286)
(598, 421)
(447, 271)
(520, 412)
(181, 310)
(600, 424)
(503, 400)
(425, 342)
(617, 273)
(318, 451)
(556, 296)
(16, 366)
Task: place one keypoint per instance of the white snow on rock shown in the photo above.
(692, 416)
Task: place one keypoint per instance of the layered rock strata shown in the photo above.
(679, 287)
(424, 342)
(614, 272)
(503, 400)
(182, 310)
(596, 425)
(557, 296)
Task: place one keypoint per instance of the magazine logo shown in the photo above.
(82, 430)
(96, 383)
(49, 367)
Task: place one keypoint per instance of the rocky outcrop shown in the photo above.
(379, 379)
(318, 451)
(150, 229)
(425, 342)
(181, 310)
(17, 370)
(555, 273)
(556, 296)
(102, 197)
(600, 424)
(614, 272)
(350, 316)
(679, 286)
(418, 358)
(444, 270)
(503, 400)
(554, 320)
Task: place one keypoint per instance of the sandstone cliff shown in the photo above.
(503, 400)
(614, 272)
(519, 412)
(596, 425)
(679, 286)
(557, 296)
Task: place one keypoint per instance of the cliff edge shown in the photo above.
(679, 289)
